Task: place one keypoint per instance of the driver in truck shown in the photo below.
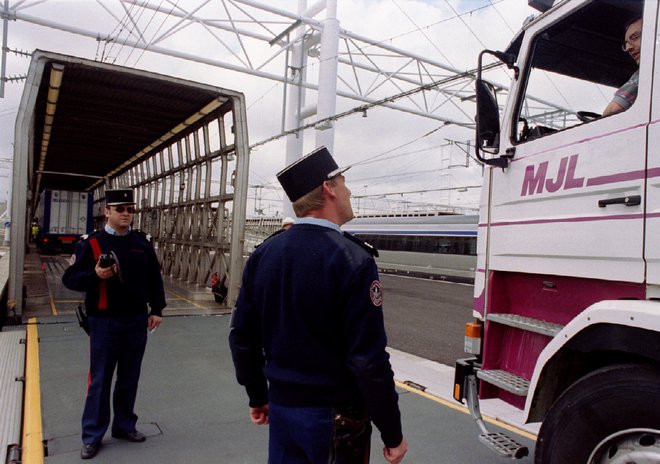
(627, 94)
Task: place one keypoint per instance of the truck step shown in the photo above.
(503, 445)
(526, 323)
(505, 380)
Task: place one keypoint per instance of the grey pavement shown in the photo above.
(193, 411)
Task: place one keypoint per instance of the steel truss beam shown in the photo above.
(243, 30)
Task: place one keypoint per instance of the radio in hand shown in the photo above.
(107, 260)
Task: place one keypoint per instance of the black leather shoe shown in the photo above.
(90, 450)
(135, 437)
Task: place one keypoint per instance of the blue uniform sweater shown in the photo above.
(142, 282)
(308, 327)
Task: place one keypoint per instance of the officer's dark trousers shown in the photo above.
(299, 435)
(115, 342)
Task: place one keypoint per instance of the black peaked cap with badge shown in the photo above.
(119, 197)
(309, 172)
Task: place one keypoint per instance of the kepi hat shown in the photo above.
(119, 197)
(308, 172)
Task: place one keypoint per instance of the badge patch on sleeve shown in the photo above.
(376, 293)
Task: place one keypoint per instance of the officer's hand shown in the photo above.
(104, 272)
(259, 415)
(395, 455)
(153, 322)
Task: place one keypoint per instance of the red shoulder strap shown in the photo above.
(103, 290)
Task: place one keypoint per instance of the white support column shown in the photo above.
(3, 52)
(327, 94)
(297, 68)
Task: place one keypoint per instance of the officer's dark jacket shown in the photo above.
(142, 281)
(309, 319)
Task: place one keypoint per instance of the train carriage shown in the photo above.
(437, 246)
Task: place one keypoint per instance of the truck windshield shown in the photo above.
(576, 66)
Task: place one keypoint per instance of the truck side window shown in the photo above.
(575, 67)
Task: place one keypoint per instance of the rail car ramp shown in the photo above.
(12, 369)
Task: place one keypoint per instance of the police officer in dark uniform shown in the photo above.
(307, 334)
(118, 270)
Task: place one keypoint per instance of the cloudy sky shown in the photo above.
(395, 152)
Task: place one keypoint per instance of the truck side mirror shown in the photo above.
(488, 116)
(488, 113)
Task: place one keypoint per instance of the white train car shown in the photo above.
(436, 246)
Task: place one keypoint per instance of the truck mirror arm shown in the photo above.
(507, 58)
(487, 119)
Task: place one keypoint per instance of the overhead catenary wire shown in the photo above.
(442, 189)
(423, 33)
(367, 106)
(153, 36)
(263, 95)
(175, 5)
(506, 23)
(397, 175)
(483, 45)
(428, 26)
(119, 28)
(376, 158)
(449, 143)
(130, 30)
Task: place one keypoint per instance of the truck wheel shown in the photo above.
(611, 415)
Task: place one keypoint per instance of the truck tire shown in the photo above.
(608, 414)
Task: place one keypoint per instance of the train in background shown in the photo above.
(431, 245)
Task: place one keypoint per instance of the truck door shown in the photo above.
(571, 201)
(652, 245)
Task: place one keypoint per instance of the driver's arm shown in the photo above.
(613, 108)
(624, 97)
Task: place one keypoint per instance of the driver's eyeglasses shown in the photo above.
(121, 209)
(634, 38)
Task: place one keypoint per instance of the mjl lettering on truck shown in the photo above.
(536, 179)
(567, 287)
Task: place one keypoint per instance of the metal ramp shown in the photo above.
(12, 367)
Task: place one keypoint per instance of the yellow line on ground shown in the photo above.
(184, 298)
(463, 409)
(33, 449)
(53, 308)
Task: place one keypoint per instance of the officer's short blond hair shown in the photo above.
(311, 200)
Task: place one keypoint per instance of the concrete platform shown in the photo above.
(192, 409)
(190, 406)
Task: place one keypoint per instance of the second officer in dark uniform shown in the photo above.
(307, 334)
(118, 270)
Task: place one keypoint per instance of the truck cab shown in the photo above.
(567, 288)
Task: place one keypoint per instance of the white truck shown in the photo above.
(567, 288)
(63, 216)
